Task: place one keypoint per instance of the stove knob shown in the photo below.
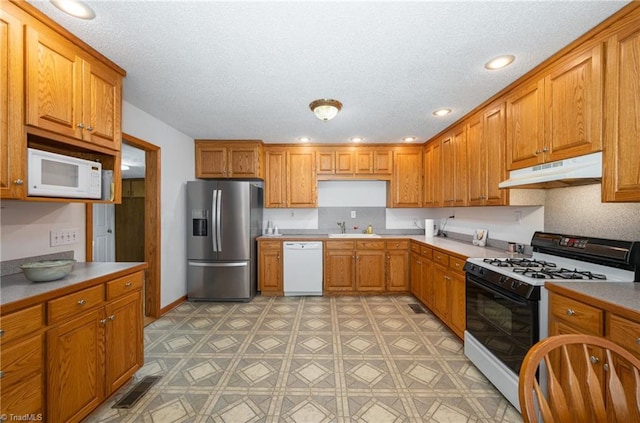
(502, 279)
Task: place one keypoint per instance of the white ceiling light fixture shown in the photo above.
(500, 62)
(304, 139)
(409, 139)
(75, 8)
(325, 108)
(441, 112)
(357, 139)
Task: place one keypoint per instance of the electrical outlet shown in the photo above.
(353, 214)
(63, 237)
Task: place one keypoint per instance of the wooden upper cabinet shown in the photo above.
(525, 126)
(69, 93)
(573, 105)
(335, 161)
(447, 163)
(406, 184)
(621, 173)
(301, 178)
(558, 116)
(460, 193)
(12, 142)
(228, 159)
(485, 157)
(433, 174)
(374, 161)
(275, 184)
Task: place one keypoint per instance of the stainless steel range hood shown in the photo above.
(583, 170)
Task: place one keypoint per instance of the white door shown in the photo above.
(104, 238)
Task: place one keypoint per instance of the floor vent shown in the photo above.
(417, 308)
(137, 392)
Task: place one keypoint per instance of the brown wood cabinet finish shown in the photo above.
(275, 185)
(12, 142)
(406, 184)
(291, 177)
(228, 159)
(433, 181)
(621, 173)
(270, 269)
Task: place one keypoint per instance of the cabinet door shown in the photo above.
(270, 268)
(494, 139)
(406, 184)
(382, 162)
(102, 105)
(124, 355)
(211, 160)
(12, 141)
(525, 126)
(53, 84)
(370, 270)
(427, 285)
(621, 178)
(326, 162)
(573, 105)
(433, 175)
(416, 275)
(364, 162)
(460, 168)
(344, 163)
(397, 271)
(477, 161)
(243, 162)
(275, 184)
(339, 270)
(447, 162)
(301, 181)
(75, 364)
(457, 303)
(440, 291)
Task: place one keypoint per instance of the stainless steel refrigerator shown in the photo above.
(224, 219)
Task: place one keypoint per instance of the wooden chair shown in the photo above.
(576, 392)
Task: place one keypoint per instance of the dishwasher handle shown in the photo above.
(303, 245)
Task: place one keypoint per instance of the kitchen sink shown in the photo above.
(354, 236)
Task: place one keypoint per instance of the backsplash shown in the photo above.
(11, 267)
(364, 216)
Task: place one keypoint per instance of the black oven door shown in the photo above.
(506, 324)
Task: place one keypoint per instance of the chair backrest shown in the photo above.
(590, 379)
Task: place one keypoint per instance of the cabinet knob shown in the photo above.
(1, 332)
(545, 149)
(570, 312)
(103, 321)
(82, 302)
(538, 152)
(112, 317)
(594, 359)
(81, 125)
(89, 128)
(18, 182)
(127, 284)
(637, 340)
(1, 374)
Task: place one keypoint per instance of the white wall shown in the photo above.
(25, 226)
(177, 167)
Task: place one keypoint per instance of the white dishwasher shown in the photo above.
(302, 268)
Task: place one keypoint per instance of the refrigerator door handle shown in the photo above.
(218, 220)
(200, 264)
(214, 228)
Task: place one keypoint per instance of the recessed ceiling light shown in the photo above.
(441, 112)
(500, 62)
(409, 139)
(357, 139)
(304, 139)
(75, 8)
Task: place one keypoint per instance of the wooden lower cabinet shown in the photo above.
(60, 366)
(397, 267)
(438, 280)
(370, 266)
(568, 315)
(270, 268)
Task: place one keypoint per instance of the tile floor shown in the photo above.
(308, 360)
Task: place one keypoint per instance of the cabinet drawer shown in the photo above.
(456, 264)
(339, 245)
(124, 285)
(624, 332)
(20, 360)
(21, 323)
(441, 258)
(397, 245)
(426, 252)
(576, 314)
(23, 398)
(61, 308)
(271, 245)
(415, 247)
(370, 245)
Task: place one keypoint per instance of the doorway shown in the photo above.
(148, 206)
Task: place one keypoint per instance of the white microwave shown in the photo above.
(56, 175)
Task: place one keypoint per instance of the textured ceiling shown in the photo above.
(248, 70)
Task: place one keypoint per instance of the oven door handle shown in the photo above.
(496, 292)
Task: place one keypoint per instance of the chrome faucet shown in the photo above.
(343, 228)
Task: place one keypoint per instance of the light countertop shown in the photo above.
(17, 287)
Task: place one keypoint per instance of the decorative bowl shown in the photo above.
(48, 270)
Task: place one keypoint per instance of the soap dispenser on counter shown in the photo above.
(369, 229)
